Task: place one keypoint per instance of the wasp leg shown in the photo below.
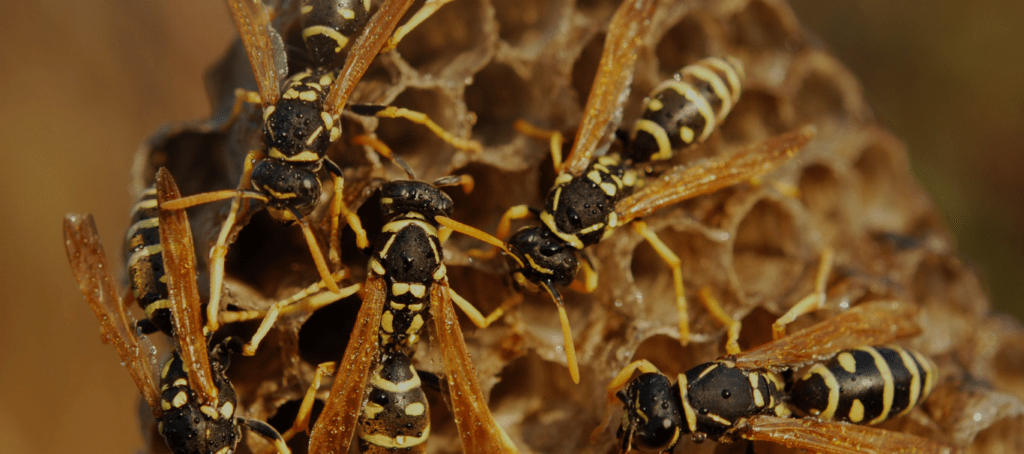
(451, 224)
(504, 225)
(677, 276)
(554, 137)
(266, 431)
(301, 423)
(620, 380)
(587, 281)
(809, 303)
(338, 210)
(311, 304)
(384, 150)
(466, 182)
(474, 314)
(418, 118)
(243, 97)
(732, 325)
(428, 8)
(220, 250)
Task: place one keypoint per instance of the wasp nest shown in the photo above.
(476, 67)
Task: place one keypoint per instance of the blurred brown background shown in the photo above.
(86, 81)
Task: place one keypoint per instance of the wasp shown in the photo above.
(377, 392)
(190, 395)
(145, 264)
(593, 197)
(302, 118)
(744, 396)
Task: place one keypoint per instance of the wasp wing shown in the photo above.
(829, 437)
(89, 265)
(186, 307)
(709, 176)
(363, 51)
(263, 45)
(333, 430)
(872, 323)
(479, 432)
(611, 84)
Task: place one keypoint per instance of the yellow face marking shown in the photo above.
(660, 137)
(594, 176)
(309, 95)
(856, 411)
(418, 290)
(889, 388)
(335, 133)
(306, 9)
(613, 222)
(224, 450)
(290, 93)
(377, 267)
(279, 195)
(399, 288)
(179, 399)
(395, 226)
(415, 409)
(563, 178)
(847, 362)
(227, 410)
(340, 40)
(387, 320)
(347, 13)
(209, 412)
(267, 111)
(555, 198)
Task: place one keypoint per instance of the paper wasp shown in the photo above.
(745, 396)
(190, 394)
(302, 118)
(376, 389)
(590, 198)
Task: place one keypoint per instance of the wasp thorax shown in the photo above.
(653, 417)
(397, 197)
(288, 187)
(721, 395)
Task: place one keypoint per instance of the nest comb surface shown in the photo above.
(479, 65)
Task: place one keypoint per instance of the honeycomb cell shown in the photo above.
(766, 26)
(459, 30)
(757, 116)
(768, 252)
(687, 41)
(499, 97)
(825, 90)
(528, 23)
(823, 195)
(879, 177)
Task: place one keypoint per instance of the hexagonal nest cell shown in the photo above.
(476, 67)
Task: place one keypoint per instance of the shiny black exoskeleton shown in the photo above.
(549, 261)
(396, 416)
(329, 26)
(707, 402)
(408, 256)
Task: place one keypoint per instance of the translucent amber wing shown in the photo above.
(872, 323)
(711, 175)
(611, 84)
(363, 51)
(263, 45)
(89, 265)
(479, 432)
(837, 438)
(186, 308)
(333, 431)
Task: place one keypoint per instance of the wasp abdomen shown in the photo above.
(395, 417)
(866, 385)
(329, 26)
(145, 264)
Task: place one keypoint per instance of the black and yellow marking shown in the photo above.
(866, 385)
(396, 414)
(329, 26)
(686, 109)
(145, 265)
